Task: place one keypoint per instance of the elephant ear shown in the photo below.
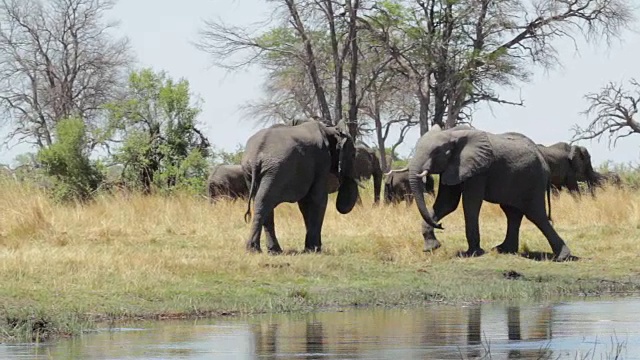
(472, 154)
(577, 157)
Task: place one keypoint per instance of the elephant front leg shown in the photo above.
(446, 203)
(511, 241)
(471, 204)
(313, 208)
(270, 229)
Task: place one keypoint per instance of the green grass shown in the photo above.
(65, 268)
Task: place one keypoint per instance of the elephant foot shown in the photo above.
(564, 255)
(506, 249)
(430, 245)
(275, 250)
(471, 253)
(313, 250)
(253, 248)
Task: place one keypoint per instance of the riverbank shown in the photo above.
(64, 268)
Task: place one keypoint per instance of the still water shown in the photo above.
(563, 330)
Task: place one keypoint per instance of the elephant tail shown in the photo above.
(549, 201)
(255, 170)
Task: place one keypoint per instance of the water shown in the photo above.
(564, 330)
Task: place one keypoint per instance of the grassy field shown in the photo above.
(64, 268)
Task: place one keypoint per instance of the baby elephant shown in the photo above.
(227, 181)
(397, 188)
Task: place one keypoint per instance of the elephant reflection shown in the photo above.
(266, 335)
(265, 339)
(314, 335)
(539, 329)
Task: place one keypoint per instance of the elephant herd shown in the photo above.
(228, 181)
(303, 163)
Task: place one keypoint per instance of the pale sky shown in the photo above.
(161, 31)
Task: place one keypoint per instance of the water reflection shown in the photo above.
(563, 330)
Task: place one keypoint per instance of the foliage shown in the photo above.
(629, 173)
(229, 157)
(74, 176)
(161, 146)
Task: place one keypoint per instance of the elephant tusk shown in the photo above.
(423, 174)
(396, 170)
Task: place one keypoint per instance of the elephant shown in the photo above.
(367, 165)
(397, 188)
(292, 164)
(227, 181)
(505, 169)
(610, 177)
(569, 164)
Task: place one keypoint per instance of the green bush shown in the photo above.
(73, 176)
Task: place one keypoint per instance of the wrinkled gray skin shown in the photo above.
(506, 169)
(366, 165)
(569, 164)
(227, 181)
(397, 187)
(292, 164)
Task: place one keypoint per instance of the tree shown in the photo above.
(75, 177)
(613, 111)
(229, 157)
(457, 53)
(312, 37)
(155, 123)
(57, 60)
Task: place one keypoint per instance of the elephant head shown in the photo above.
(456, 154)
(343, 153)
(580, 160)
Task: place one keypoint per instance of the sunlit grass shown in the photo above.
(172, 256)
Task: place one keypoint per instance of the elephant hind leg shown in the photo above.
(270, 230)
(313, 207)
(262, 209)
(511, 241)
(539, 218)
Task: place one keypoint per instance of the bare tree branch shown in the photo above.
(613, 111)
(57, 60)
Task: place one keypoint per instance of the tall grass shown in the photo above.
(153, 256)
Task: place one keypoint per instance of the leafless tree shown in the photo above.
(456, 52)
(315, 35)
(57, 60)
(613, 111)
(287, 97)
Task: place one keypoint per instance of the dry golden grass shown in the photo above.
(146, 256)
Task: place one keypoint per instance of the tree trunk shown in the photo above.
(353, 73)
(311, 64)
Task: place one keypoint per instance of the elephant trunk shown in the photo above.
(417, 186)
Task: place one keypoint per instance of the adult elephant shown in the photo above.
(568, 165)
(397, 187)
(609, 177)
(366, 166)
(506, 169)
(227, 181)
(293, 164)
